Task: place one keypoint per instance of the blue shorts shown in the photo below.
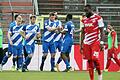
(58, 45)
(30, 49)
(48, 46)
(66, 46)
(9, 49)
(17, 50)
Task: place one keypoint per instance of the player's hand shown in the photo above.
(101, 47)
(27, 37)
(11, 43)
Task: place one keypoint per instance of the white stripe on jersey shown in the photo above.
(88, 42)
(88, 39)
(87, 35)
(30, 42)
(50, 38)
(18, 41)
(58, 37)
(46, 33)
(14, 36)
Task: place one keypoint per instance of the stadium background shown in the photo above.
(108, 9)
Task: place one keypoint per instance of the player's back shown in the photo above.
(69, 26)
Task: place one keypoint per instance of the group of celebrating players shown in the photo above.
(22, 38)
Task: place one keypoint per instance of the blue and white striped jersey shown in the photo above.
(31, 31)
(15, 34)
(69, 27)
(48, 36)
(58, 36)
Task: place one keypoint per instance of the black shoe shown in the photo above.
(41, 68)
(52, 70)
(68, 69)
(23, 68)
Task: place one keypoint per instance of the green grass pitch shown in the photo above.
(76, 75)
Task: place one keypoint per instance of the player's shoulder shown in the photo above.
(113, 33)
(97, 16)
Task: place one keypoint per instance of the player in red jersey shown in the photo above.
(92, 36)
(112, 47)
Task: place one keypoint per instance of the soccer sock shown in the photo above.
(59, 60)
(100, 77)
(1, 58)
(27, 61)
(91, 70)
(117, 61)
(20, 61)
(108, 63)
(42, 64)
(5, 59)
(67, 63)
(52, 63)
(14, 60)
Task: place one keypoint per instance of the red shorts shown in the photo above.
(91, 52)
(112, 53)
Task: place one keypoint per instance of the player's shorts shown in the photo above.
(48, 46)
(112, 53)
(17, 50)
(30, 49)
(66, 45)
(58, 45)
(91, 52)
(9, 49)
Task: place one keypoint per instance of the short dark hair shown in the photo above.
(89, 6)
(16, 16)
(32, 16)
(51, 14)
(68, 17)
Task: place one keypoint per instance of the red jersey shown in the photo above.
(91, 28)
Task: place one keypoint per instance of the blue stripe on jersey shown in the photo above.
(16, 37)
(58, 36)
(48, 36)
(31, 31)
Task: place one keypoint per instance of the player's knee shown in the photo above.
(52, 55)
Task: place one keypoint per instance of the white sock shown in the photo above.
(100, 77)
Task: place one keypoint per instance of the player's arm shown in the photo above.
(102, 34)
(49, 28)
(64, 30)
(38, 33)
(82, 36)
(113, 34)
(9, 36)
(22, 33)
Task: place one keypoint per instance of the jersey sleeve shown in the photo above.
(100, 22)
(65, 28)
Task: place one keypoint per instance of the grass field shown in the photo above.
(8, 75)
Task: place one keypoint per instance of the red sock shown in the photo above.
(108, 63)
(117, 61)
(91, 70)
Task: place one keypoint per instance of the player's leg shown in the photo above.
(109, 56)
(30, 51)
(58, 46)
(20, 58)
(45, 46)
(95, 58)
(52, 50)
(1, 58)
(115, 57)
(91, 69)
(14, 52)
(65, 48)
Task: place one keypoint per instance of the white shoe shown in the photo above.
(1, 67)
(100, 77)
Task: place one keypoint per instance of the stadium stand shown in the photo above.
(10, 8)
